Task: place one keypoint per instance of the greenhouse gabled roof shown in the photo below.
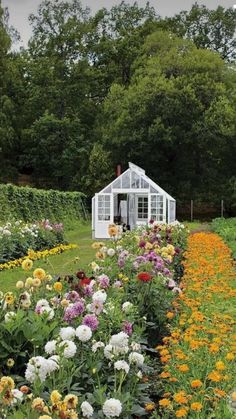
(135, 178)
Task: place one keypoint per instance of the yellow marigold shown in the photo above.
(55, 397)
(164, 403)
(39, 273)
(71, 401)
(149, 407)
(196, 383)
(98, 245)
(220, 366)
(181, 413)
(230, 356)
(9, 298)
(214, 348)
(100, 255)
(196, 406)
(170, 315)
(7, 382)
(215, 376)
(57, 286)
(183, 368)
(27, 264)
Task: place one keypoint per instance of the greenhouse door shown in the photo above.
(103, 214)
(157, 208)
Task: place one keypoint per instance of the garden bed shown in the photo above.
(91, 336)
(198, 357)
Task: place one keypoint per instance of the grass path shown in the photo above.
(63, 263)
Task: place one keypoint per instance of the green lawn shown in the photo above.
(78, 233)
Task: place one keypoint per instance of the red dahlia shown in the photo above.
(144, 276)
(84, 282)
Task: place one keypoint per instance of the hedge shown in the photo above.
(30, 204)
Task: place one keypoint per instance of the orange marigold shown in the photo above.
(164, 403)
(196, 383)
(196, 406)
(181, 413)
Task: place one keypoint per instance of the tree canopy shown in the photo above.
(93, 91)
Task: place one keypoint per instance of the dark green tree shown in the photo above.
(213, 29)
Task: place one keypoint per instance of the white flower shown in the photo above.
(11, 315)
(122, 365)
(119, 248)
(49, 311)
(83, 333)
(69, 348)
(50, 347)
(100, 296)
(108, 352)
(97, 345)
(111, 252)
(120, 341)
(87, 409)
(18, 396)
(136, 358)
(135, 346)
(42, 303)
(127, 306)
(67, 333)
(103, 249)
(139, 375)
(6, 232)
(39, 367)
(112, 408)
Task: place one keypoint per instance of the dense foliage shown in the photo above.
(121, 81)
(79, 345)
(30, 204)
(227, 230)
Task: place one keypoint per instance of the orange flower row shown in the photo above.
(198, 357)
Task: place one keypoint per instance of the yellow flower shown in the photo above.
(39, 273)
(183, 368)
(71, 401)
(149, 407)
(38, 404)
(112, 230)
(36, 282)
(45, 417)
(230, 356)
(181, 413)
(65, 302)
(19, 284)
(7, 382)
(28, 282)
(57, 286)
(27, 264)
(48, 277)
(169, 315)
(196, 383)
(9, 298)
(233, 396)
(164, 403)
(10, 362)
(196, 406)
(220, 366)
(55, 397)
(215, 376)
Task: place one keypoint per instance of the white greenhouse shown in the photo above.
(131, 200)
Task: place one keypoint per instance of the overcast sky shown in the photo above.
(20, 9)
